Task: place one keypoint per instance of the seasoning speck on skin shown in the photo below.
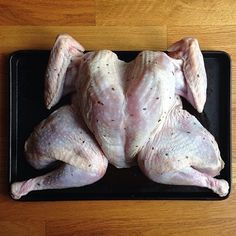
(167, 154)
(100, 103)
(198, 75)
(83, 141)
(157, 98)
(152, 148)
(144, 108)
(113, 89)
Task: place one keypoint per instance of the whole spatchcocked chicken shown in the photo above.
(124, 114)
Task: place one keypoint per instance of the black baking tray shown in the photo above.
(26, 75)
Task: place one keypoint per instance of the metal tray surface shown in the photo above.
(26, 109)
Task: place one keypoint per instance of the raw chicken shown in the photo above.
(62, 136)
(183, 153)
(125, 114)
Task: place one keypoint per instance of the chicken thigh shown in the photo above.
(183, 152)
(125, 114)
(63, 136)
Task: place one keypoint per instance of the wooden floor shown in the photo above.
(116, 25)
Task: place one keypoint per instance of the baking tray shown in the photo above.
(26, 80)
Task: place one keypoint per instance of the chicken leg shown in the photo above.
(190, 176)
(64, 137)
(183, 153)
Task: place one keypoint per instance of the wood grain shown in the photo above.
(22, 228)
(142, 226)
(158, 211)
(91, 37)
(116, 25)
(34, 12)
(168, 12)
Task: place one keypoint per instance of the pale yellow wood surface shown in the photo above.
(117, 25)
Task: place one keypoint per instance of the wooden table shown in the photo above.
(116, 25)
